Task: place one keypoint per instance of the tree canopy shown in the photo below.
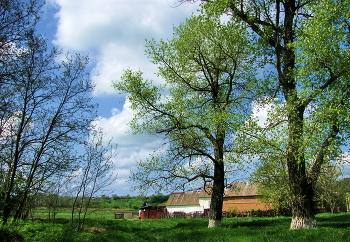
(209, 84)
(45, 108)
(307, 44)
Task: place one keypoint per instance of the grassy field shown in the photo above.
(94, 213)
(331, 228)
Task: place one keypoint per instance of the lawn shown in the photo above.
(99, 214)
(330, 228)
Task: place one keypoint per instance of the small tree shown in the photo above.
(93, 175)
(329, 189)
(273, 186)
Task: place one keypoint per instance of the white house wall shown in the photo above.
(204, 203)
(185, 209)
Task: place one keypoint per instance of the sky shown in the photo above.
(113, 34)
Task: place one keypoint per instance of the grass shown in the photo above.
(331, 228)
(92, 213)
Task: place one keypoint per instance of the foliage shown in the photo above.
(45, 108)
(10, 234)
(93, 174)
(273, 185)
(272, 178)
(158, 199)
(103, 202)
(306, 46)
(330, 189)
(232, 210)
(208, 87)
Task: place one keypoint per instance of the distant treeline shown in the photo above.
(117, 202)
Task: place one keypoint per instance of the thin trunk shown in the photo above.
(73, 208)
(7, 208)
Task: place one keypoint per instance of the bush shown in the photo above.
(9, 235)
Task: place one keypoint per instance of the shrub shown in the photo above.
(9, 235)
(232, 211)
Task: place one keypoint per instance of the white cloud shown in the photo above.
(114, 33)
(131, 148)
(260, 112)
(117, 128)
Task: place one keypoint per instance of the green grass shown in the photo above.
(92, 213)
(331, 228)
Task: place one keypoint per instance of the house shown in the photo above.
(241, 196)
(187, 202)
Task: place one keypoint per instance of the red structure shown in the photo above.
(151, 212)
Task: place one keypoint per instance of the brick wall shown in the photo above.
(244, 203)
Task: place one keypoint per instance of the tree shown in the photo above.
(329, 189)
(93, 175)
(206, 67)
(307, 42)
(18, 19)
(273, 185)
(50, 113)
(45, 107)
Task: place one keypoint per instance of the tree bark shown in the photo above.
(217, 196)
(300, 184)
(215, 212)
(303, 215)
(302, 190)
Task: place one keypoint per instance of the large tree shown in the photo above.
(307, 42)
(206, 97)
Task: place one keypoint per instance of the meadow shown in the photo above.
(101, 227)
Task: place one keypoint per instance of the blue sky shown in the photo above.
(113, 33)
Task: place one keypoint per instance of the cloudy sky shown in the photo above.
(113, 33)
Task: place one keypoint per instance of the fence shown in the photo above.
(250, 213)
(125, 215)
(164, 214)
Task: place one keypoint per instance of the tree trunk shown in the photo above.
(215, 212)
(303, 214)
(302, 189)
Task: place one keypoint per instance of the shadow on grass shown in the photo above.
(258, 223)
(192, 224)
(331, 228)
(341, 220)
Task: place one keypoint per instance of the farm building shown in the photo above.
(241, 195)
(187, 202)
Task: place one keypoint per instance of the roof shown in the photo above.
(183, 199)
(206, 193)
(237, 189)
(242, 189)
